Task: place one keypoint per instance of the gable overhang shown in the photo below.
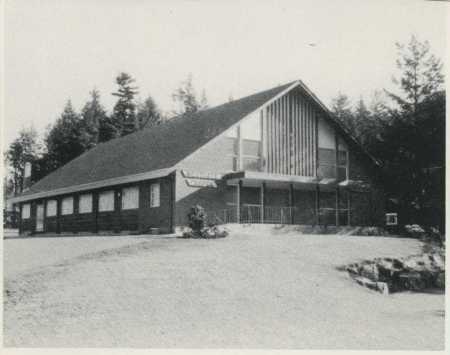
(329, 115)
(247, 116)
(341, 129)
(94, 185)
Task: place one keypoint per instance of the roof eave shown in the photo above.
(94, 185)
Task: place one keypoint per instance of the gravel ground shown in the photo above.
(27, 254)
(250, 290)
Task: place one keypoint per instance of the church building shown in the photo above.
(277, 156)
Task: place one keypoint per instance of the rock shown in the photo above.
(387, 275)
(438, 262)
(373, 285)
(370, 271)
(383, 288)
(412, 281)
(352, 269)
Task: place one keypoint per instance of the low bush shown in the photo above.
(372, 231)
(197, 226)
(414, 231)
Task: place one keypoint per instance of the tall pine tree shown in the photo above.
(148, 114)
(25, 148)
(341, 107)
(124, 112)
(420, 74)
(186, 98)
(93, 116)
(64, 141)
(414, 141)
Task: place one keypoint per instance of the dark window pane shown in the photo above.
(327, 171)
(327, 156)
(251, 164)
(342, 157)
(251, 147)
(342, 173)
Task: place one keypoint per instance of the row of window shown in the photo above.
(130, 200)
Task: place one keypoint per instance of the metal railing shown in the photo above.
(250, 213)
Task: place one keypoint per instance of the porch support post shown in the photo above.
(336, 140)
(337, 206)
(348, 207)
(238, 201)
(58, 215)
(262, 200)
(291, 202)
(95, 210)
(317, 206)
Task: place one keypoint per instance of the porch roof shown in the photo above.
(281, 181)
(256, 178)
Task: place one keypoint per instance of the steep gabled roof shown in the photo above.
(154, 152)
(152, 149)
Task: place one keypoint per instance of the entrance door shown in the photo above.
(40, 217)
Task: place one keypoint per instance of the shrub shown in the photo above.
(414, 231)
(197, 221)
(197, 218)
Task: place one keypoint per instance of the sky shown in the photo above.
(61, 49)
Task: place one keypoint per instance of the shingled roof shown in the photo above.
(152, 149)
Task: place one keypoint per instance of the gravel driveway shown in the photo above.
(249, 290)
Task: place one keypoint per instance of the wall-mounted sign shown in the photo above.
(201, 175)
(201, 183)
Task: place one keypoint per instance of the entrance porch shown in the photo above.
(285, 199)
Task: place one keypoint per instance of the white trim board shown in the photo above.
(95, 185)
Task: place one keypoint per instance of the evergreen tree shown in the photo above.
(414, 138)
(92, 117)
(25, 148)
(107, 129)
(362, 121)
(124, 113)
(148, 114)
(420, 74)
(203, 101)
(341, 107)
(187, 99)
(65, 140)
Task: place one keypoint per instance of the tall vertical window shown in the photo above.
(67, 205)
(130, 198)
(327, 163)
(26, 211)
(85, 203)
(52, 206)
(342, 165)
(154, 195)
(232, 139)
(106, 201)
(251, 134)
